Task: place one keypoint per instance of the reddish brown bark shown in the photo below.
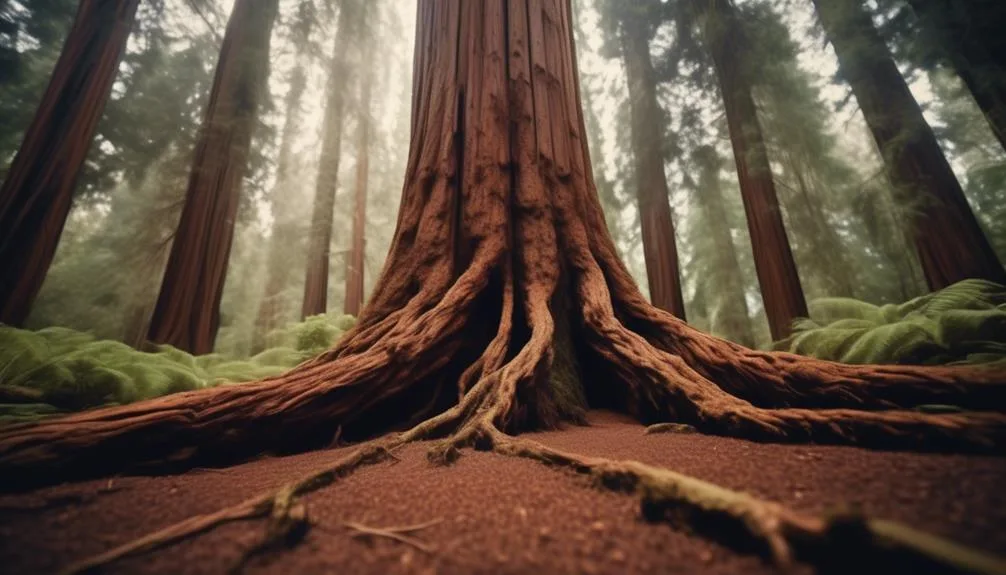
(187, 313)
(948, 238)
(500, 225)
(777, 276)
(652, 193)
(270, 309)
(320, 235)
(357, 253)
(38, 190)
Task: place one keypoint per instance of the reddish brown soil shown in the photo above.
(501, 515)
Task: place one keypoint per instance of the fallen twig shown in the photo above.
(395, 533)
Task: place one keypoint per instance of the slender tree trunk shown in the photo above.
(320, 235)
(652, 193)
(466, 328)
(729, 314)
(187, 312)
(38, 190)
(777, 275)
(970, 37)
(948, 238)
(355, 261)
(270, 308)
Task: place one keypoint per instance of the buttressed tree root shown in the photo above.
(503, 306)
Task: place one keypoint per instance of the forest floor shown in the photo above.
(494, 514)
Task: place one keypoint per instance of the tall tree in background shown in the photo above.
(949, 241)
(187, 311)
(724, 38)
(270, 309)
(723, 280)
(652, 193)
(320, 234)
(500, 247)
(968, 37)
(355, 262)
(37, 193)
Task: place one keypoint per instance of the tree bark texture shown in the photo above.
(500, 227)
(780, 284)
(947, 236)
(187, 313)
(320, 234)
(972, 43)
(270, 309)
(355, 263)
(37, 193)
(652, 193)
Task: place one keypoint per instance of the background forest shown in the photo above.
(671, 90)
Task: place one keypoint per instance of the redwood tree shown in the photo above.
(355, 261)
(729, 309)
(500, 275)
(652, 193)
(37, 193)
(968, 37)
(270, 309)
(949, 241)
(320, 234)
(187, 313)
(781, 292)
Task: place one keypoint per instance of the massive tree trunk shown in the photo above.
(38, 190)
(777, 275)
(652, 193)
(270, 309)
(971, 42)
(320, 235)
(729, 312)
(187, 313)
(947, 236)
(500, 274)
(355, 261)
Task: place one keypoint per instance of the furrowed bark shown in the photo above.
(187, 312)
(37, 193)
(780, 284)
(948, 238)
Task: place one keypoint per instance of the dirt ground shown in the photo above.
(500, 515)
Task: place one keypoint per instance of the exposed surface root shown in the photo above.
(287, 516)
(670, 428)
(735, 519)
(769, 529)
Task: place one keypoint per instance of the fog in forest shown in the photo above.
(846, 225)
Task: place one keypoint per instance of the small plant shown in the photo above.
(961, 324)
(56, 369)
